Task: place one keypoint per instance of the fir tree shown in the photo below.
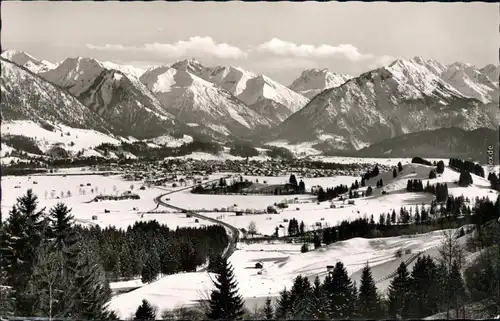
(152, 267)
(456, 291)
(283, 306)
(394, 173)
(400, 167)
(293, 180)
(23, 232)
(318, 301)
(92, 292)
(302, 187)
(368, 300)
(341, 293)
(398, 296)
(300, 298)
(317, 241)
(424, 288)
(225, 303)
(268, 310)
(145, 311)
(440, 167)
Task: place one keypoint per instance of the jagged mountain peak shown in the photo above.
(492, 72)
(313, 81)
(405, 96)
(27, 96)
(28, 61)
(197, 101)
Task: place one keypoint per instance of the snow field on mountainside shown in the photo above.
(77, 139)
(282, 262)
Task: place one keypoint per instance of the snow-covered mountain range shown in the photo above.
(259, 92)
(120, 98)
(333, 111)
(27, 96)
(27, 61)
(200, 103)
(405, 97)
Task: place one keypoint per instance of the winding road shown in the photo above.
(232, 231)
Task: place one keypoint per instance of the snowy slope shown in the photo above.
(26, 60)
(313, 81)
(73, 140)
(403, 97)
(492, 72)
(126, 69)
(118, 97)
(194, 100)
(26, 96)
(471, 82)
(262, 94)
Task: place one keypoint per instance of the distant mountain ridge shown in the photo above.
(259, 92)
(406, 96)
(443, 142)
(196, 101)
(224, 103)
(27, 96)
(121, 99)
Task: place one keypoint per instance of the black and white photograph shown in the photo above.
(249, 160)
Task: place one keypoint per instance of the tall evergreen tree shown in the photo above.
(66, 245)
(283, 306)
(268, 310)
(21, 237)
(341, 293)
(455, 290)
(368, 300)
(152, 267)
(145, 311)
(318, 302)
(92, 292)
(425, 296)
(400, 167)
(440, 167)
(300, 298)
(398, 296)
(225, 302)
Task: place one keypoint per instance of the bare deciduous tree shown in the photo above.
(451, 251)
(252, 228)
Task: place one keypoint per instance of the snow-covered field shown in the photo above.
(121, 213)
(312, 213)
(282, 262)
(369, 160)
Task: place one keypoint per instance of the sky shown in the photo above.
(277, 39)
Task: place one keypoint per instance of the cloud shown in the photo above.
(195, 46)
(280, 47)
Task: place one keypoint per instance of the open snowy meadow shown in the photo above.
(78, 191)
(282, 262)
